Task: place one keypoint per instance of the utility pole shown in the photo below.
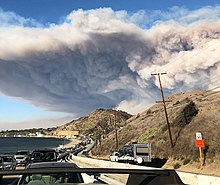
(116, 132)
(165, 109)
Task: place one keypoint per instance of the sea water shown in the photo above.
(13, 144)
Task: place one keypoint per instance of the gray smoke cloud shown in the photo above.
(101, 58)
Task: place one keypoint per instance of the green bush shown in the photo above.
(186, 161)
(144, 138)
(176, 166)
(160, 142)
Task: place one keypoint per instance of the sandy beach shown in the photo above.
(72, 142)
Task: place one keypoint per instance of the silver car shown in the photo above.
(21, 157)
(8, 162)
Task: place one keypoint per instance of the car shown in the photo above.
(7, 162)
(1, 169)
(21, 157)
(53, 177)
(114, 157)
(68, 173)
(43, 155)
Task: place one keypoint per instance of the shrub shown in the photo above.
(160, 142)
(186, 161)
(176, 166)
(144, 138)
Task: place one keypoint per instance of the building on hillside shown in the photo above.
(39, 134)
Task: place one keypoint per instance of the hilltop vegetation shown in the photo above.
(26, 132)
(97, 124)
(190, 112)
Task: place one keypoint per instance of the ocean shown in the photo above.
(13, 144)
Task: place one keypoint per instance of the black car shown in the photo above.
(43, 155)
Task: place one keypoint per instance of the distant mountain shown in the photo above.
(97, 124)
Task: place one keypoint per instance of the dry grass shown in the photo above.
(188, 113)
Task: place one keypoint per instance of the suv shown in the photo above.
(21, 157)
(43, 155)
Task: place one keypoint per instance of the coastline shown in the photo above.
(71, 143)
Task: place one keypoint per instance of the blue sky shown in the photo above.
(18, 112)
(53, 10)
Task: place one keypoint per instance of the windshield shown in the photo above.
(43, 155)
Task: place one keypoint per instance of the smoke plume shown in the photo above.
(102, 58)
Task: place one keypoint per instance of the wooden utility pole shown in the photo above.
(165, 109)
(116, 134)
(115, 125)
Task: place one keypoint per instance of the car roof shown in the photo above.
(44, 149)
(51, 165)
(6, 155)
(23, 151)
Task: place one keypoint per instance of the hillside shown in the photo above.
(98, 123)
(189, 112)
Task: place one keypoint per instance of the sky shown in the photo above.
(60, 60)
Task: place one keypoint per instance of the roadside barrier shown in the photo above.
(187, 178)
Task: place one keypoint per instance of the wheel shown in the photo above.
(139, 160)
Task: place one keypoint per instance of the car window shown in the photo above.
(21, 153)
(7, 159)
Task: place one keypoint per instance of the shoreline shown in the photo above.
(71, 143)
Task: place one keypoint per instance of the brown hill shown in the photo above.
(98, 123)
(189, 112)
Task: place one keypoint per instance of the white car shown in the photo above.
(114, 157)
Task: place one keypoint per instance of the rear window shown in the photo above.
(142, 151)
(44, 155)
(7, 159)
(21, 153)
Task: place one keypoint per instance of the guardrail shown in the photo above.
(187, 178)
